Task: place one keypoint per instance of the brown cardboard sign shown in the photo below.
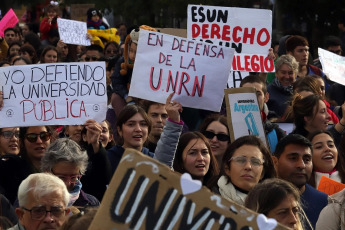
(144, 194)
(243, 113)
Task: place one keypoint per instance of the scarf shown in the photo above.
(93, 24)
(288, 89)
(228, 191)
(74, 194)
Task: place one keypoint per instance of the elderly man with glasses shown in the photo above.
(43, 200)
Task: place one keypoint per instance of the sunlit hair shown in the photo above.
(267, 195)
(289, 61)
(293, 41)
(210, 178)
(64, 150)
(308, 83)
(41, 184)
(304, 107)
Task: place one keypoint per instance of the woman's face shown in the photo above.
(286, 213)
(132, 51)
(322, 87)
(37, 145)
(106, 136)
(320, 120)
(68, 172)
(51, 13)
(111, 51)
(196, 158)
(50, 56)
(218, 146)
(74, 132)
(325, 154)
(25, 30)
(9, 141)
(241, 169)
(134, 132)
(14, 49)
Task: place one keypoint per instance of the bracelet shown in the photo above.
(341, 124)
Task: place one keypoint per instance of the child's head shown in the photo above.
(52, 9)
(132, 49)
(94, 15)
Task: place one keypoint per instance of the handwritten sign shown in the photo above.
(53, 94)
(244, 117)
(9, 20)
(73, 32)
(329, 186)
(197, 72)
(144, 194)
(333, 65)
(248, 31)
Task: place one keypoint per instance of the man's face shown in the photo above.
(301, 54)
(92, 55)
(10, 37)
(262, 97)
(158, 116)
(295, 164)
(52, 201)
(335, 49)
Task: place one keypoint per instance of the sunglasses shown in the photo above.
(9, 134)
(32, 137)
(220, 136)
(93, 58)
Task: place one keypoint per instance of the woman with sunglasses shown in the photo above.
(33, 143)
(215, 129)
(65, 159)
(246, 162)
(9, 141)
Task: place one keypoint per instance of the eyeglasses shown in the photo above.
(72, 179)
(32, 137)
(220, 136)
(242, 160)
(93, 58)
(9, 134)
(39, 213)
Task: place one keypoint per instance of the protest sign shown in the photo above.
(9, 20)
(144, 194)
(248, 31)
(329, 186)
(333, 65)
(53, 94)
(243, 113)
(73, 32)
(197, 72)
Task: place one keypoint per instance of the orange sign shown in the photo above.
(330, 186)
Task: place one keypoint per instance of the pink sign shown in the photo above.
(9, 20)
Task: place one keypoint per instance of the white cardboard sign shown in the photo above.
(248, 31)
(53, 94)
(73, 32)
(197, 72)
(333, 65)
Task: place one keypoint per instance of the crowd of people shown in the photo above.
(56, 176)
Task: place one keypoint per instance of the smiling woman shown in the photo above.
(326, 160)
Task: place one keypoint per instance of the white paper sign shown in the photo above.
(53, 94)
(244, 113)
(73, 32)
(197, 72)
(333, 65)
(248, 31)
